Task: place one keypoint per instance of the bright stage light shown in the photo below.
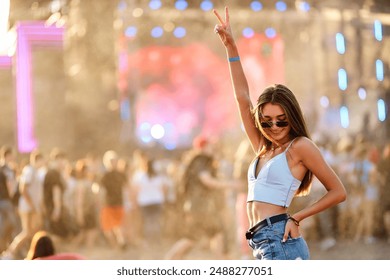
(181, 5)
(157, 131)
(206, 5)
(340, 43)
(303, 6)
(256, 6)
(131, 31)
(362, 93)
(324, 101)
(378, 30)
(379, 70)
(344, 116)
(270, 32)
(343, 79)
(179, 32)
(381, 110)
(248, 32)
(155, 4)
(281, 6)
(157, 32)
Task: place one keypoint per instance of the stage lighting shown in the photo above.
(378, 30)
(344, 116)
(343, 79)
(206, 5)
(379, 70)
(248, 32)
(340, 43)
(181, 5)
(281, 6)
(381, 110)
(155, 4)
(256, 6)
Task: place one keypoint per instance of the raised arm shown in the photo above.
(239, 81)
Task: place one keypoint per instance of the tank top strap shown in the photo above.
(289, 145)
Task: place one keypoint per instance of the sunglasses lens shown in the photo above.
(265, 125)
(281, 124)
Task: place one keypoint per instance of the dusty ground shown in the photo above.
(379, 250)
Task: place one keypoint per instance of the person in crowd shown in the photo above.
(384, 190)
(10, 193)
(286, 159)
(9, 168)
(201, 195)
(85, 205)
(367, 174)
(150, 190)
(112, 186)
(42, 248)
(56, 219)
(30, 203)
(8, 216)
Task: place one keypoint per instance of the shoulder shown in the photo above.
(303, 142)
(304, 147)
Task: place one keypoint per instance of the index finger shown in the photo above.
(221, 21)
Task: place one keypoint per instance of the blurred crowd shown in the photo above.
(141, 201)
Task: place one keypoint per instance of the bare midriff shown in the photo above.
(258, 211)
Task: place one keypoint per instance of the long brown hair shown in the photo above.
(281, 95)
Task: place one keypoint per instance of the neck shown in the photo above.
(276, 145)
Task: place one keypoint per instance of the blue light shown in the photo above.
(157, 32)
(379, 70)
(170, 146)
(378, 30)
(131, 31)
(248, 32)
(343, 79)
(181, 5)
(381, 110)
(144, 132)
(155, 4)
(179, 32)
(344, 116)
(340, 43)
(362, 93)
(281, 6)
(145, 126)
(206, 5)
(125, 110)
(304, 6)
(270, 32)
(324, 101)
(146, 139)
(122, 5)
(256, 6)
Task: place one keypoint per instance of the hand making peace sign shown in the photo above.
(223, 29)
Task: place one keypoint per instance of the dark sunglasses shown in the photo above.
(270, 124)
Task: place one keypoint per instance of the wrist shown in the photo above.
(233, 58)
(292, 219)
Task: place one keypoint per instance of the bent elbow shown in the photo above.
(342, 196)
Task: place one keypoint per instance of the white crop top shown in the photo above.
(274, 184)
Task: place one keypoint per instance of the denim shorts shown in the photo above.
(267, 244)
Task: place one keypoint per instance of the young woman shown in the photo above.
(285, 163)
